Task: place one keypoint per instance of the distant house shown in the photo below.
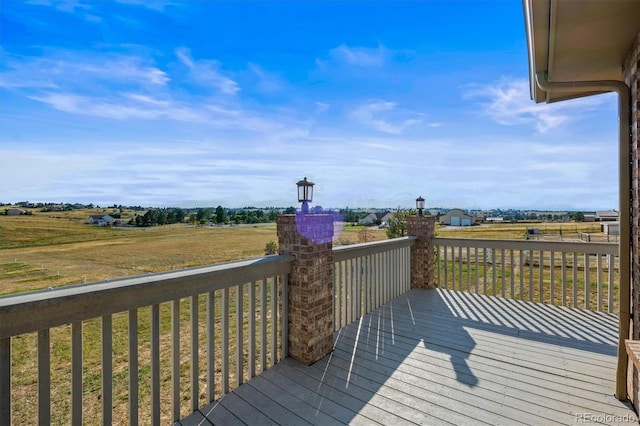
(589, 216)
(101, 220)
(377, 218)
(457, 217)
(606, 216)
(494, 219)
(14, 211)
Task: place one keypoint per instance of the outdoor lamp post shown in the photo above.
(420, 205)
(305, 194)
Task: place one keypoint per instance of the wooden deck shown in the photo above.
(444, 357)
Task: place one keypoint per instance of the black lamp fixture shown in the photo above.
(420, 205)
(305, 194)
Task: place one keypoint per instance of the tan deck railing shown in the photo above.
(576, 274)
(369, 275)
(247, 299)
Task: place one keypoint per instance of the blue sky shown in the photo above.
(185, 103)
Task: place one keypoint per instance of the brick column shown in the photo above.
(309, 238)
(422, 263)
(631, 70)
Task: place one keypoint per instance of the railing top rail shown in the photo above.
(342, 253)
(558, 246)
(27, 312)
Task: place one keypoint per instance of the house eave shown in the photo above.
(578, 41)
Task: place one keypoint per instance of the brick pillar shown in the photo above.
(422, 262)
(309, 238)
(631, 70)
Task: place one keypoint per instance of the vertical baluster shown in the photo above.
(390, 277)
(453, 268)
(285, 318)
(358, 287)
(378, 280)
(274, 320)
(347, 292)
(224, 337)
(107, 370)
(438, 264)
(446, 268)
(5, 381)
(366, 283)
(512, 272)
(133, 367)
(195, 359)
(475, 259)
(521, 257)
(468, 262)
(610, 266)
(587, 281)
(385, 278)
(155, 364)
(344, 292)
(239, 336)
(599, 280)
(251, 314)
(460, 282)
(337, 297)
(175, 360)
(575, 280)
(44, 377)
(76, 373)
(531, 254)
(407, 257)
(552, 269)
(493, 271)
(504, 283)
(484, 270)
(211, 348)
(564, 278)
(395, 270)
(541, 276)
(263, 325)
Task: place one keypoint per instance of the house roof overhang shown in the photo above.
(572, 40)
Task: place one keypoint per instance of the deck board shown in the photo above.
(443, 357)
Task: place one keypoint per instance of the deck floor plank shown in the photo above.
(444, 357)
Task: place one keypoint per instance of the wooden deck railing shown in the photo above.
(575, 274)
(369, 275)
(244, 303)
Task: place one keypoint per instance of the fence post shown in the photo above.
(309, 238)
(422, 254)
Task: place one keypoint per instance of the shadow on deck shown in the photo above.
(444, 357)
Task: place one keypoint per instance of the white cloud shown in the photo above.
(157, 5)
(383, 116)
(67, 71)
(266, 82)
(207, 72)
(322, 107)
(508, 103)
(361, 56)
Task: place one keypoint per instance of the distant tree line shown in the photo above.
(158, 217)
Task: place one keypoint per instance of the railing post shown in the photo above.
(309, 238)
(422, 254)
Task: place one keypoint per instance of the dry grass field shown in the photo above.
(53, 249)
